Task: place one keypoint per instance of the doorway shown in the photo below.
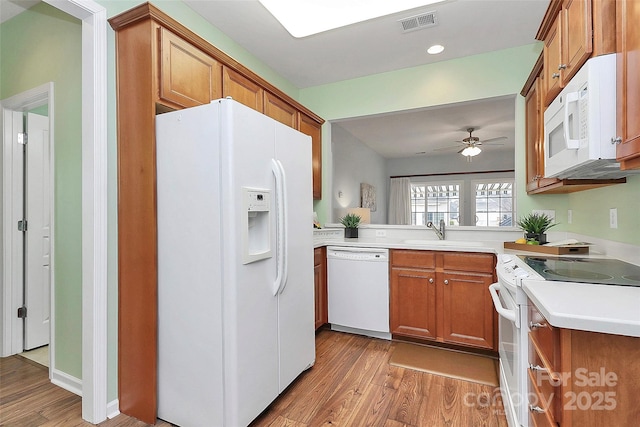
(28, 215)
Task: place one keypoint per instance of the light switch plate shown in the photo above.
(613, 218)
(569, 216)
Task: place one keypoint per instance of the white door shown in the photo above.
(37, 237)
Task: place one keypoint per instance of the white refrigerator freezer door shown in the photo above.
(250, 310)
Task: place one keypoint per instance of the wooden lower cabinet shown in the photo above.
(580, 378)
(320, 286)
(443, 296)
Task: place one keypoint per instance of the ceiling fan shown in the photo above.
(470, 146)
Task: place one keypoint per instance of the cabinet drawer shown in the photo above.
(539, 413)
(415, 259)
(547, 384)
(545, 337)
(463, 261)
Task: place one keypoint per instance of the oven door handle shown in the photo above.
(504, 312)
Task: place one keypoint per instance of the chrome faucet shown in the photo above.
(439, 231)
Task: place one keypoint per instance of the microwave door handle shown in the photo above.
(572, 144)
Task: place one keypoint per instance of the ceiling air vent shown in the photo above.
(418, 22)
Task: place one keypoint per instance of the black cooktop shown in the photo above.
(601, 271)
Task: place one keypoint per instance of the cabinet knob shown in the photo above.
(536, 325)
(562, 67)
(446, 282)
(537, 409)
(430, 279)
(617, 140)
(555, 75)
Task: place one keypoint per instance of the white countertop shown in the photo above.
(596, 308)
(494, 247)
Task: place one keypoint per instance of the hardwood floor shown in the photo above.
(351, 384)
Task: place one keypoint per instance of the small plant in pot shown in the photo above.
(351, 222)
(535, 225)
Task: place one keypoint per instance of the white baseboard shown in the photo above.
(113, 408)
(67, 382)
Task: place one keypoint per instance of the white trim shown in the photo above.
(94, 204)
(66, 381)
(113, 409)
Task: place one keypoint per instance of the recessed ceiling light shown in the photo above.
(303, 18)
(435, 49)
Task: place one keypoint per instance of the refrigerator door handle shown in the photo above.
(285, 229)
(277, 173)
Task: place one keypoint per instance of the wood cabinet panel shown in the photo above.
(552, 59)
(468, 262)
(576, 36)
(242, 89)
(415, 259)
(188, 76)
(413, 303)
(310, 127)
(320, 286)
(468, 313)
(628, 83)
(279, 110)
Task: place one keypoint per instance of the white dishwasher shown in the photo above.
(358, 290)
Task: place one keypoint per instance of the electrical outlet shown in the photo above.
(381, 233)
(613, 218)
(569, 216)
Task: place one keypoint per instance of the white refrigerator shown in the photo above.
(235, 263)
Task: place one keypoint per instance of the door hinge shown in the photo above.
(22, 225)
(23, 138)
(22, 312)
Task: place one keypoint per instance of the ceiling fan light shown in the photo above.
(471, 151)
(435, 49)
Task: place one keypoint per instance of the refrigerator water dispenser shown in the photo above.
(256, 232)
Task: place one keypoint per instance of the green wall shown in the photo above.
(38, 46)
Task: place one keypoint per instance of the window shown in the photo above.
(494, 203)
(435, 201)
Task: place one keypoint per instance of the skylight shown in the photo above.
(302, 18)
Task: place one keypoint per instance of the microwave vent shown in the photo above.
(418, 22)
(597, 169)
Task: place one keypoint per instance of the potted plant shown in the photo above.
(535, 225)
(351, 222)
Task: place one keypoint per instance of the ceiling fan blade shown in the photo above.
(499, 138)
(448, 148)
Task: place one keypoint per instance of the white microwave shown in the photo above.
(580, 124)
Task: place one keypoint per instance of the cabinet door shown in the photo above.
(413, 303)
(532, 112)
(468, 314)
(628, 94)
(551, 52)
(188, 76)
(577, 43)
(279, 110)
(242, 89)
(320, 286)
(310, 127)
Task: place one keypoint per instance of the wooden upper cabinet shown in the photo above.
(576, 37)
(573, 31)
(280, 110)
(188, 76)
(552, 58)
(310, 127)
(628, 91)
(242, 89)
